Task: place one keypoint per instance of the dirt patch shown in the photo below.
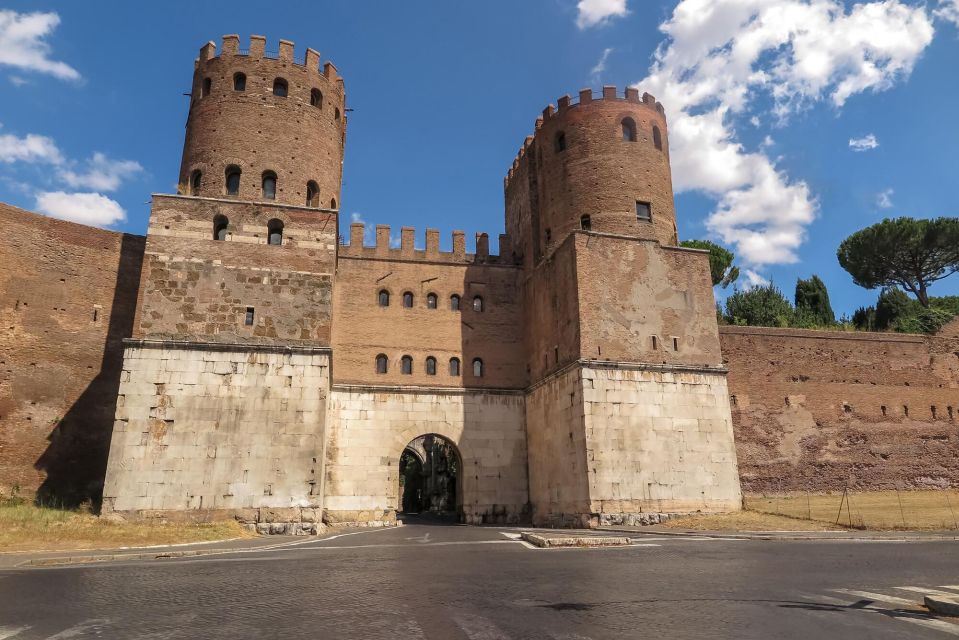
(746, 521)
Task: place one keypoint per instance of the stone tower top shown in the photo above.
(263, 127)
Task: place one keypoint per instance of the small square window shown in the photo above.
(248, 321)
(643, 212)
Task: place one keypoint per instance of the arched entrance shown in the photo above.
(430, 468)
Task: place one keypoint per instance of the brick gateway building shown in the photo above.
(242, 361)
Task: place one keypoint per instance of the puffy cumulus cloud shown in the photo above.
(884, 199)
(864, 143)
(23, 45)
(723, 58)
(948, 10)
(101, 173)
(753, 279)
(86, 208)
(591, 13)
(29, 148)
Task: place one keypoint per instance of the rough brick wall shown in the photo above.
(818, 411)
(67, 299)
(258, 131)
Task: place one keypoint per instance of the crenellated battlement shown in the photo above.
(383, 248)
(258, 51)
(567, 103)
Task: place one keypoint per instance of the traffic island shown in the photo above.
(554, 541)
(943, 605)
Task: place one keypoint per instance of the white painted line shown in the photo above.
(879, 597)
(954, 587)
(96, 624)
(457, 543)
(940, 625)
(478, 628)
(11, 632)
(817, 598)
(510, 535)
(927, 591)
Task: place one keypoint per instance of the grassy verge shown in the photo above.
(746, 521)
(27, 527)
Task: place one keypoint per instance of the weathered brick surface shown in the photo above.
(820, 411)
(67, 297)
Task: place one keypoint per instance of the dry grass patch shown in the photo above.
(26, 527)
(746, 521)
(878, 510)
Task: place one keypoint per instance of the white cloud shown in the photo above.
(864, 143)
(884, 199)
(23, 45)
(597, 12)
(101, 173)
(948, 10)
(723, 58)
(86, 208)
(600, 67)
(29, 148)
(17, 81)
(753, 279)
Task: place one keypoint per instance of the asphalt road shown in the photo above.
(454, 582)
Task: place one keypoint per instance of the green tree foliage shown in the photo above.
(903, 252)
(812, 304)
(720, 261)
(896, 311)
(764, 306)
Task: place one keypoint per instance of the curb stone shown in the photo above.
(943, 605)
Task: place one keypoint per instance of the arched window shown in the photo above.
(560, 141)
(455, 367)
(207, 86)
(408, 300)
(312, 194)
(333, 203)
(269, 185)
(274, 230)
(477, 368)
(232, 180)
(477, 304)
(239, 81)
(585, 223)
(336, 113)
(195, 179)
(382, 363)
(384, 298)
(280, 88)
(220, 224)
(316, 99)
(657, 138)
(406, 365)
(454, 302)
(431, 301)
(431, 366)
(629, 130)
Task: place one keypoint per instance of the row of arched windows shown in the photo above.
(432, 300)
(267, 186)
(281, 89)
(274, 229)
(629, 135)
(406, 366)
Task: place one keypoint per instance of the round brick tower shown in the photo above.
(602, 164)
(262, 127)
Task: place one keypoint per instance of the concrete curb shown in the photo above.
(111, 557)
(558, 541)
(942, 605)
(787, 535)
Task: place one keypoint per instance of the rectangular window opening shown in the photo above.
(644, 211)
(675, 344)
(655, 342)
(248, 321)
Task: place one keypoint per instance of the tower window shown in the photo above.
(406, 365)
(280, 88)
(408, 300)
(333, 203)
(275, 232)
(585, 224)
(629, 130)
(269, 185)
(232, 180)
(560, 142)
(382, 363)
(248, 319)
(644, 212)
(477, 304)
(195, 179)
(477, 368)
(312, 194)
(431, 366)
(549, 236)
(336, 113)
(431, 301)
(316, 99)
(384, 298)
(220, 224)
(454, 302)
(675, 344)
(239, 82)
(657, 138)
(454, 367)
(207, 86)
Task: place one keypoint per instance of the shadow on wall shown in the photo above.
(75, 461)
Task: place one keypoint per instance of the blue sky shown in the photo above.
(792, 123)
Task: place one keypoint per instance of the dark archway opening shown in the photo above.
(429, 469)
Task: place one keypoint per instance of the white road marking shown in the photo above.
(478, 628)
(954, 587)
(11, 632)
(927, 591)
(940, 625)
(95, 624)
(817, 598)
(423, 539)
(879, 597)
(511, 536)
(916, 617)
